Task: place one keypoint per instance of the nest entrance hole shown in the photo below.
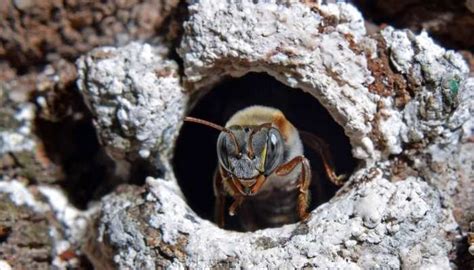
(195, 156)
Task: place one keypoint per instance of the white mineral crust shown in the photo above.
(377, 220)
(136, 97)
(378, 223)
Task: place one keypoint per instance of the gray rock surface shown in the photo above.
(377, 223)
(301, 47)
(404, 102)
(136, 98)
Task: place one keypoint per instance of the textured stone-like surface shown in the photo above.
(301, 47)
(228, 40)
(136, 98)
(404, 102)
(30, 105)
(39, 42)
(16, 117)
(39, 228)
(400, 224)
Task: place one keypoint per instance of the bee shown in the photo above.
(261, 161)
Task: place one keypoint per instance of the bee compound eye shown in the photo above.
(275, 150)
(225, 147)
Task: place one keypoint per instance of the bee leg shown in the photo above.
(304, 180)
(233, 208)
(337, 180)
(219, 205)
(258, 185)
(320, 147)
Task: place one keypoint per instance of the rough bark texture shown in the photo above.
(46, 135)
(24, 233)
(405, 103)
(39, 32)
(401, 100)
(448, 21)
(39, 228)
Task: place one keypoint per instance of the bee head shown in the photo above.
(247, 152)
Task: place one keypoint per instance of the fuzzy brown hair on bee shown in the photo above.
(261, 161)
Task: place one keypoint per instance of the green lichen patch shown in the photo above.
(454, 86)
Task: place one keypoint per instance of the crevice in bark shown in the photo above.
(70, 148)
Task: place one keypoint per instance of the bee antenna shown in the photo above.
(206, 123)
(212, 125)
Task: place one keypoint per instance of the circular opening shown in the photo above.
(195, 156)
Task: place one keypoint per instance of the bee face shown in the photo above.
(261, 160)
(256, 150)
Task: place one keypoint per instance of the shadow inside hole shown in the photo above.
(195, 157)
(84, 170)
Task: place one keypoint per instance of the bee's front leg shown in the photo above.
(220, 193)
(304, 179)
(237, 202)
(318, 145)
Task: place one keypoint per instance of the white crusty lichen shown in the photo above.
(314, 55)
(376, 223)
(306, 47)
(395, 211)
(136, 98)
(19, 139)
(442, 104)
(20, 195)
